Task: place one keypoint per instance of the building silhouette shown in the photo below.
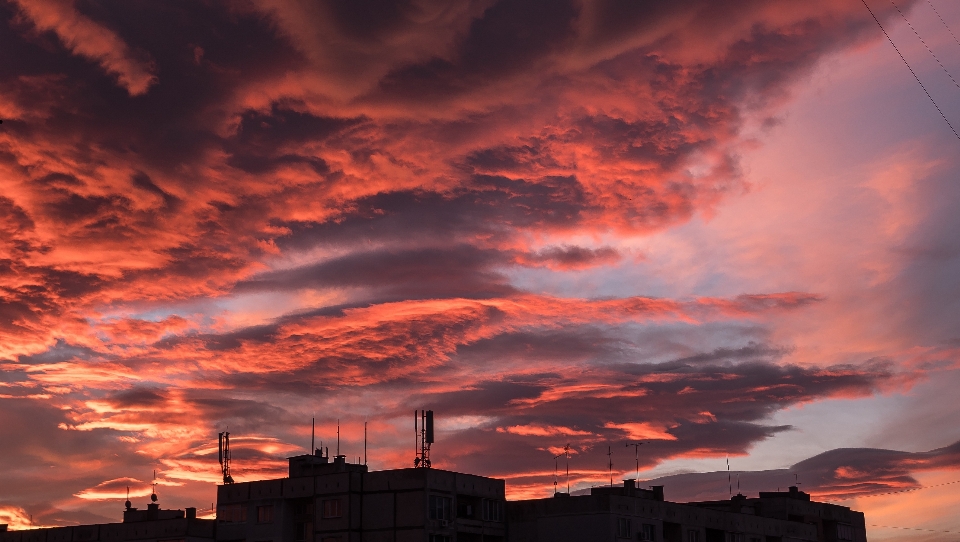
(327, 499)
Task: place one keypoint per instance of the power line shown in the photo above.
(895, 48)
(914, 529)
(944, 22)
(896, 492)
(929, 50)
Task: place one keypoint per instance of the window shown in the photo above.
(265, 514)
(844, 532)
(440, 508)
(232, 513)
(492, 510)
(331, 508)
(623, 528)
(302, 531)
(646, 532)
(693, 536)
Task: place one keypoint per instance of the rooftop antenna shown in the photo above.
(566, 453)
(225, 457)
(127, 503)
(313, 433)
(364, 442)
(153, 496)
(729, 483)
(424, 437)
(636, 453)
(556, 469)
(796, 480)
(610, 463)
(338, 437)
(738, 484)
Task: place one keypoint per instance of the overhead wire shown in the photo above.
(896, 492)
(897, 49)
(929, 50)
(914, 529)
(944, 22)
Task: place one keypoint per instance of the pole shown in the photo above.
(313, 434)
(364, 442)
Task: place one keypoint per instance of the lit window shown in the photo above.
(232, 513)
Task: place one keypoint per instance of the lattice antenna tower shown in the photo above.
(224, 456)
(423, 437)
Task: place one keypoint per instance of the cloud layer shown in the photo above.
(241, 216)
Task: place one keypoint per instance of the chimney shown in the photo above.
(191, 513)
(657, 492)
(630, 485)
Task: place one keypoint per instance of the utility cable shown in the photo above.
(929, 50)
(914, 529)
(944, 22)
(895, 48)
(896, 492)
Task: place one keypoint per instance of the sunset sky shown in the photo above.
(721, 228)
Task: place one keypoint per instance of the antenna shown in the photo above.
(153, 496)
(127, 503)
(313, 432)
(610, 463)
(728, 477)
(424, 437)
(636, 453)
(416, 440)
(225, 457)
(738, 484)
(338, 437)
(364, 442)
(556, 469)
(566, 453)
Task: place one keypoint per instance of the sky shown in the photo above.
(726, 230)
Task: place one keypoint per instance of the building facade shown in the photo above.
(629, 513)
(324, 500)
(150, 525)
(336, 501)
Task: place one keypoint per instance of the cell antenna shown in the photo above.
(224, 456)
(424, 437)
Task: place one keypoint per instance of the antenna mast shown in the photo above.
(225, 457)
(636, 453)
(556, 469)
(424, 437)
(729, 482)
(566, 453)
(610, 463)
